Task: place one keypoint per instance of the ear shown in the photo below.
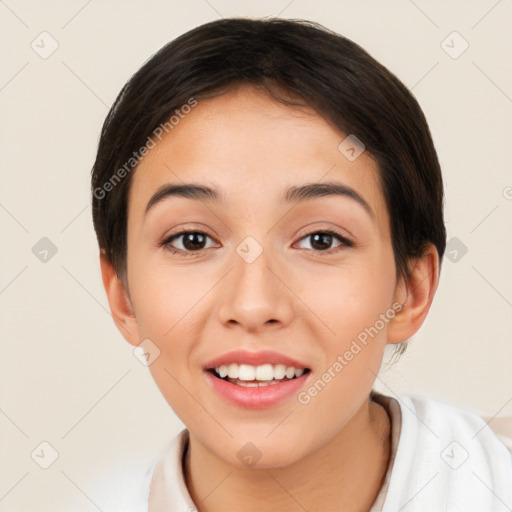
(119, 302)
(416, 296)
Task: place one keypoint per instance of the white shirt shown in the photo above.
(443, 459)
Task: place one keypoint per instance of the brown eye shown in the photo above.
(186, 241)
(321, 241)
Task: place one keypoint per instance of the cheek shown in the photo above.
(164, 297)
(353, 347)
(164, 301)
(350, 296)
(170, 304)
(353, 302)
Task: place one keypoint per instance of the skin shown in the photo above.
(333, 452)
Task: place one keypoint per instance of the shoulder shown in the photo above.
(451, 454)
(127, 487)
(124, 488)
(452, 418)
(502, 428)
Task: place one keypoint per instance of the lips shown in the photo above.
(254, 359)
(256, 398)
(259, 393)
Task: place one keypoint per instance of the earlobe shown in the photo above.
(416, 296)
(119, 302)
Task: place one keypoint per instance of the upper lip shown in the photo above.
(254, 359)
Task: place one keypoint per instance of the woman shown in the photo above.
(269, 207)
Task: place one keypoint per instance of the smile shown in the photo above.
(256, 387)
(257, 376)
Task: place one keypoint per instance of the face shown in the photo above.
(308, 279)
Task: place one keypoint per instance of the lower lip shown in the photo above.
(256, 397)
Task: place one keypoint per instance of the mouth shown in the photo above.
(256, 387)
(257, 376)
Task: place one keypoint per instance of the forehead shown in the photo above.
(253, 149)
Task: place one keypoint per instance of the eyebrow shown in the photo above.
(294, 194)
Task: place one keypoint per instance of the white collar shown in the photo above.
(419, 475)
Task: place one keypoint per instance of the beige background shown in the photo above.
(67, 376)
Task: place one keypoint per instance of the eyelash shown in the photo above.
(166, 244)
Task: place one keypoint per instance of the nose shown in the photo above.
(255, 295)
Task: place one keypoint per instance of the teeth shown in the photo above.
(264, 372)
(222, 371)
(256, 384)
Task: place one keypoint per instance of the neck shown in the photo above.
(346, 473)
